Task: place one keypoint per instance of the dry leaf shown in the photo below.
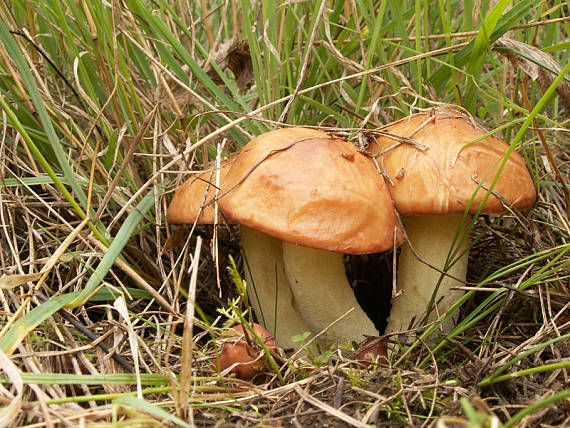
(233, 54)
(121, 307)
(11, 411)
(13, 281)
(536, 64)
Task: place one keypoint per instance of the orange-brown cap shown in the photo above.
(247, 360)
(196, 192)
(304, 187)
(443, 179)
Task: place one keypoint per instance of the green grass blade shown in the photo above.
(563, 46)
(41, 313)
(163, 32)
(16, 55)
(495, 376)
(99, 379)
(114, 251)
(512, 17)
(15, 122)
(151, 409)
(480, 46)
(533, 370)
(36, 316)
(559, 396)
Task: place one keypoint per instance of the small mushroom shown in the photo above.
(433, 194)
(372, 351)
(246, 359)
(309, 198)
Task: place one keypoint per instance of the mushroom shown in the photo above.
(433, 189)
(309, 198)
(374, 352)
(263, 262)
(245, 360)
(192, 201)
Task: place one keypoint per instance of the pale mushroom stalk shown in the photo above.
(432, 237)
(323, 294)
(268, 290)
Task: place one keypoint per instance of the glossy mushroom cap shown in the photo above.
(196, 192)
(443, 179)
(304, 187)
(246, 361)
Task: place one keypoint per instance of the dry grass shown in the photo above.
(120, 120)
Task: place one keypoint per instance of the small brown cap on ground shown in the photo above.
(189, 198)
(304, 187)
(247, 360)
(442, 180)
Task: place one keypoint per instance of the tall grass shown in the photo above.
(106, 106)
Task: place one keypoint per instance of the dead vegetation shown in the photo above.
(130, 129)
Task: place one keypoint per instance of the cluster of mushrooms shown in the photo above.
(303, 198)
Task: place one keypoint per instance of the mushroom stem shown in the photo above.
(321, 289)
(432, 237)
(268, 290)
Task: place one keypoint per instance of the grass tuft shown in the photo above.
(106, 107)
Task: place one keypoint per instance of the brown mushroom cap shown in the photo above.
(247, 360)
(375, 352)
(442, 180)
(304, 187)
(189, 198)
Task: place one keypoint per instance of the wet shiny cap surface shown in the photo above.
(306, 188)
(443, 179)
